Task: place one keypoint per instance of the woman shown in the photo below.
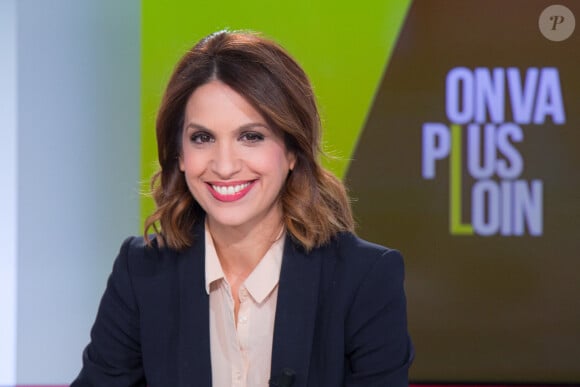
(252, 275)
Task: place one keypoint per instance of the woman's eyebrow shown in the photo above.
(193, 125)
(252, 125)
(242, 128)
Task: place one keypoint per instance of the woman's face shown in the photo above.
(235, 165)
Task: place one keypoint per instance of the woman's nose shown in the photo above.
(225, 162)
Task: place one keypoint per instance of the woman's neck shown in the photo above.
(240, 249)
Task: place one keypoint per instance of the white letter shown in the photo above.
(506, 208)
(489, 94)
(549, 99)
(522, 99)
(436, 145)
(528, 204)
(481, 226)
(513, 166)
(459, 112)
(481, 166)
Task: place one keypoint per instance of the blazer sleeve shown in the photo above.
(113, 356)
(378, 347)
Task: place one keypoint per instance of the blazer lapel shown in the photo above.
(296, 312)
(194, 345)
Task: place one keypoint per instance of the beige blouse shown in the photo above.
(241, 356)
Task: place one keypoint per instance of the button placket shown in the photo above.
(236, 377)
(243, 331)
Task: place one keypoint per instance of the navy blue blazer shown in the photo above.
(340, 318)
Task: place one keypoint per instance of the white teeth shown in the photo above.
(229, 190)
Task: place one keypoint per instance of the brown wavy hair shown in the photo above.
(314, 202)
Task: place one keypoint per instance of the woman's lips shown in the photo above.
(230, 192)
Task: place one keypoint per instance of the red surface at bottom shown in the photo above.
(411, 385)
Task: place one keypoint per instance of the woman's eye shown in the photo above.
(252, 137)
(200, 138)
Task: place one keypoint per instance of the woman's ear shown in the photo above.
(291, 160)
(181, 164)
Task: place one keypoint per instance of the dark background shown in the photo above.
(481, 309)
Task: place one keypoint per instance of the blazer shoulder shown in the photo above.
(136, 248)
(138, 256)
(137, 244)
(361, 260)
(352, 247)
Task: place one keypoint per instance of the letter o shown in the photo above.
(479, 204)
(459, 95)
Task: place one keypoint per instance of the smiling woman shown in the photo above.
(253, 275)
(235, 170)
(274, 90)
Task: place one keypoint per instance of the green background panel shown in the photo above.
(343, 46)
